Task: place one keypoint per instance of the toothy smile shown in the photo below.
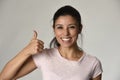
(66, 39)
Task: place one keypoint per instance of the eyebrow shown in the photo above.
(58, 25)
(73, 24)
(68, 24)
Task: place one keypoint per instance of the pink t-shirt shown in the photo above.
(56, 67)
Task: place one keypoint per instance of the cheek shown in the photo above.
(75, 33)
(57, 33)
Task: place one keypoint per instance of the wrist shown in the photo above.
(25, 53)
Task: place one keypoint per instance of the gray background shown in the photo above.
(100, 18)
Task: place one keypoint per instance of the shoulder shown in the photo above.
(46, 52)
(91, 59)
(49, 50)
(44, 56)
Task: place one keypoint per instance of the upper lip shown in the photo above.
(65, 37)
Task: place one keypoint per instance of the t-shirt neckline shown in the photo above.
(74, 61)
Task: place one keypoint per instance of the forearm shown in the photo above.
(17, 63)
(27, 67)
(13, 66)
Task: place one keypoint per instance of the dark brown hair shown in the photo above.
(65, 10)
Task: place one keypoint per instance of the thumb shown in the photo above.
(35, 35)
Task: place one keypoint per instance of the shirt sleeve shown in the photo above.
(39, 58)
(36, 59)
(97, 68)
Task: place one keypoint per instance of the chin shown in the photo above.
(66, 46)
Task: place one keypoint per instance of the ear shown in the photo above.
(80, 29)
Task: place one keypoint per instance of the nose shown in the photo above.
(66, 32)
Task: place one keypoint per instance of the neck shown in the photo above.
(70, 53)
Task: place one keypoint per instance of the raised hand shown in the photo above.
(35, 46)
(22, 60)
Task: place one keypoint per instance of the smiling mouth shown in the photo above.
(66, 39)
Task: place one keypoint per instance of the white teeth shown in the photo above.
(66, 39)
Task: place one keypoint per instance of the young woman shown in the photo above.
(65, 61)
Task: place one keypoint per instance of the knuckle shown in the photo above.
(37, 44)
(35, 41)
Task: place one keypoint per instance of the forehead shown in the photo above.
(65, 19)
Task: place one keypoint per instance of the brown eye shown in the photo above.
(59, 27)
(72, 26)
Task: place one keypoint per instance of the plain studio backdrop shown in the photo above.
(101, 29)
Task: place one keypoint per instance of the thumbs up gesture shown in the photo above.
(35, 46)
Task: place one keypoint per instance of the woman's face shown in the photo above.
(66, 31)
